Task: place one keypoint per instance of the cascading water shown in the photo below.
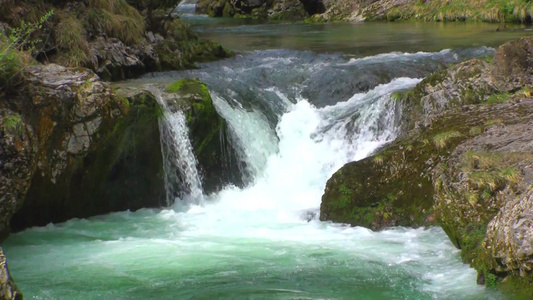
(262, 241)
(182, 179)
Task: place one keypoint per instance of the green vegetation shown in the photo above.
(498, 11)
(72, 35)
(71, 41)
(472, 235)
(16, 49)
(378, 160)
(498, 98)
(116, 18)
(518, 287)
(13, 124)
(491, 171)
(441, 140)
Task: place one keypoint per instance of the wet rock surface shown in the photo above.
(78, 149)
(465, 162)
(8, 289)
(218, 162)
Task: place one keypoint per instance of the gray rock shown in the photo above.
(76, 150)
(17, 164)
(509, 237)
(113, 60)
(8, 289)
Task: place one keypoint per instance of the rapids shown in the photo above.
(295, 117)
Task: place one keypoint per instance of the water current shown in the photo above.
(295, 115)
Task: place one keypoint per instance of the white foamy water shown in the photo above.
(260, 242)
(178, 156)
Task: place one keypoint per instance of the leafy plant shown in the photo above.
(13, 46)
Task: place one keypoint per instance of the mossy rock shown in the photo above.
(391, 188)
(396, 185)
(122, 168)
(208, 131)
(182, 48)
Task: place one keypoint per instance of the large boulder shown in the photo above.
(395, 186)
(464, 160)
(88, 151)
(111, 59)
(483, 195)
(508, 246)
(17, 165)
(512, 67)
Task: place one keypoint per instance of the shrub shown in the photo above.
(15, 50)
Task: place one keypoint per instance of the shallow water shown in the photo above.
(355, 39)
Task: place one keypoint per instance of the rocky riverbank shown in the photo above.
(116, 39)
(464, 163)
(516, 11)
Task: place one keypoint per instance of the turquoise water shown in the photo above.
(296, 117)
(161, 254)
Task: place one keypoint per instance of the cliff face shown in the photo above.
(464, 162)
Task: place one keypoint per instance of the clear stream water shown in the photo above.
(300, 101)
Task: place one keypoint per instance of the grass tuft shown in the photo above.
(71, 39)
(441, 140)
(13, 124)
(117, 19)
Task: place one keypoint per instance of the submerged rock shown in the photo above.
(8, 289)
(218, 161)
(79, 149)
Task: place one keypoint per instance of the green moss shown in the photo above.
(516, 287)
(498, 98)
(471, 237)
(400, 95)
(476, 130)
(13, 124)
(190, 86)
(491, 280)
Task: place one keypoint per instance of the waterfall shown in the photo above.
(292, 130)
(182, 179)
